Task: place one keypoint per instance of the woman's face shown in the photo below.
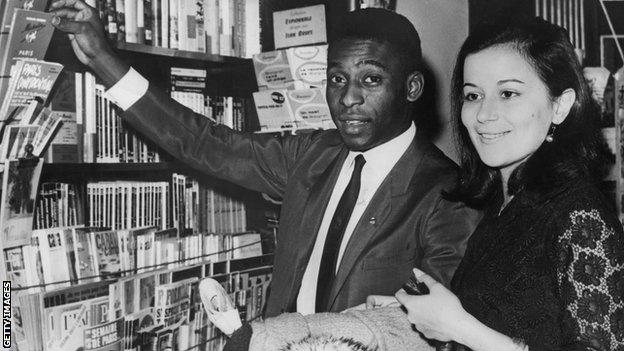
(507, 109)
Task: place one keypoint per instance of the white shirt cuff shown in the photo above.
(128, 90)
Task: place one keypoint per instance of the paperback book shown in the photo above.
(29, 38)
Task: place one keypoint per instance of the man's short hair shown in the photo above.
(384, 26)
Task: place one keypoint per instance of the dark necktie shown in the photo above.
(335, 233)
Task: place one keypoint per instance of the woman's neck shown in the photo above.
(505, 174)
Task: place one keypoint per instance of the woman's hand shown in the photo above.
(438, 315)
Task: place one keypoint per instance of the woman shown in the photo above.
(545, 267)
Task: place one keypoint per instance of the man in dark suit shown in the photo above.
(362, 204)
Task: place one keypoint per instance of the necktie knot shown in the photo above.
(359, 164)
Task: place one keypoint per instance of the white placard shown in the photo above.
(300, 26)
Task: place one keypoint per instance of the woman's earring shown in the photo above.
(551, 134)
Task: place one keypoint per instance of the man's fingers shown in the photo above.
(65, 13)
(72, 27)
(77, 4)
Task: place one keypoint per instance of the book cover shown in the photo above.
(8, 7)
(66, 313)
(33, 80)
(19, 192)
(17, 142)
(164, 24)
(173, 24)
(111, 19)
(106, 336)
(120, 8)
(55, 257)
(107, 252)
(199, 26)
(172, 302)
(64, 146)
(84, 250)
(132, 30)
(48, 124)
(211, 26)
(29, 38)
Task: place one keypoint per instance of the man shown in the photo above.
(362, 204)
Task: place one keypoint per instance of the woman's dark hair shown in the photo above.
(578, 148)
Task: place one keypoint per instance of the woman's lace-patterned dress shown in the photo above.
(549, 271)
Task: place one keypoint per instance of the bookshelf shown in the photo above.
(245, 274)
(226, 76)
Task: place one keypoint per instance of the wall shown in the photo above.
(443, 26)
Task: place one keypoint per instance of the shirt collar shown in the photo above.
(383, 157)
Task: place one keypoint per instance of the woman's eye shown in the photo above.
(372, 80)
(508, 94)
(471, 97)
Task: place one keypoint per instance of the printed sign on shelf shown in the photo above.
(301, 26)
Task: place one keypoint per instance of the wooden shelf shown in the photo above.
(105, 171)
(227, 75)
(180, 54)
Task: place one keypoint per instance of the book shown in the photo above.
(17, 142)
(9, 6)
(131, 24)
(111, 19)
(59, 205)
(87, 268)
(21, 264)
(33, 80)
(107, 254)
(29, 38)
(211, 26)
(172, 302)
(19, 190)
(65, 146)
(57, 256)
(120, 16)
(7, 9)
(246, 245)
(173, 24)
(67, 313)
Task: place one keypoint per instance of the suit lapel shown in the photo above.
(316, 203)
(372, 224)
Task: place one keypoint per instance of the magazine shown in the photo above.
(19, 183)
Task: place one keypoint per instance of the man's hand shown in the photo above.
(85, 30)
(88, 39)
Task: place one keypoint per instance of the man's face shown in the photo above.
(367, 92)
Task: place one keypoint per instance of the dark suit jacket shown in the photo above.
(407, 223)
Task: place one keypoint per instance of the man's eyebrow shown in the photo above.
(469, 85)
(373, 63)
(360, 63)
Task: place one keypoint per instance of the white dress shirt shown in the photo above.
(379, 161)
(128, 90)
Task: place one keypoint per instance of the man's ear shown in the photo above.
(415, 86)
(563, 104)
